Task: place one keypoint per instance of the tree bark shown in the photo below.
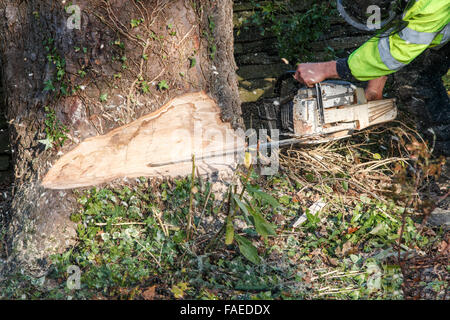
(126, 59)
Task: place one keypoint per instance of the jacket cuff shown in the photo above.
(343, 70)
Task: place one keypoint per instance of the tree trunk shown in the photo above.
(126, 59)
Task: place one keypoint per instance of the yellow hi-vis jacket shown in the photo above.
(428, 26)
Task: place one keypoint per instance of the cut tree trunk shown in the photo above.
(126, 60)
(160, 144)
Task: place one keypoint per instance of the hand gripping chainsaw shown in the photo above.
(331, 110)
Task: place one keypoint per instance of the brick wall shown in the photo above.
(257, 57)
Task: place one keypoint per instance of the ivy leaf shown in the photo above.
(145, 87)
(163, 85)
(104, 97)
(136, 22)
(180, 289)
(247, 249)
(47, 142)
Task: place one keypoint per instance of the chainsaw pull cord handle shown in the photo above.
(279, 82)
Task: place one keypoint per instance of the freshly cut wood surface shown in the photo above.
(154, 145)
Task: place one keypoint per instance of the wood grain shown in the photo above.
(152, 146)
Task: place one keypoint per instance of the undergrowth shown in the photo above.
(179, 239)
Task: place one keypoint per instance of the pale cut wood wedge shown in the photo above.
(152, 146)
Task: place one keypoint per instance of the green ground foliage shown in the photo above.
(446, 80)
(174, 239)
(177, 239)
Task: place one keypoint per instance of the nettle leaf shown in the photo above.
(240, 204)
(265, 197)
(247, 249)
(229, 236)
(263, 227)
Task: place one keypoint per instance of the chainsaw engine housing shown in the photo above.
(331, 110)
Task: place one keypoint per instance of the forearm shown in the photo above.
(330, 69)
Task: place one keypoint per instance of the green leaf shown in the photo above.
(240, 204)
(263, 227)
(104, 97)
(163, 85)
(47, 142)
(376, 156)
(229, 236)
(247, 249)
(380, 230)
(264, 196)
(193, 62)
(49, 86)
(136, 22)
(345, 185)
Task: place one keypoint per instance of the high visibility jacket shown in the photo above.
(428, 26)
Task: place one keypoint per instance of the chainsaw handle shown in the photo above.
(280, 79)
(288, 74)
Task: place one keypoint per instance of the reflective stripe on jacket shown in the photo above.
(428, 26)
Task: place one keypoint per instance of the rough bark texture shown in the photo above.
(114, 64)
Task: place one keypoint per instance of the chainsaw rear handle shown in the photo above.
(290, 73)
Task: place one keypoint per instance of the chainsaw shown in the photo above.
(330, 110)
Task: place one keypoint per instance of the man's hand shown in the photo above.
(374, 90)
(312, 73)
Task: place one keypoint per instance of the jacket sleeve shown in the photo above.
(383, 55)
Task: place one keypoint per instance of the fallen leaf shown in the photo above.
(444, 248)
(332, 261)
(352, 230)
(278, 218)
(149, 293)
(347, 248)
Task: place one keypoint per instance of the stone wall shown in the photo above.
(257, 57)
